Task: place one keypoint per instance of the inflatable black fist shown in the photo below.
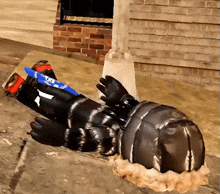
(48, 132)
(116, 97)
(112, 89)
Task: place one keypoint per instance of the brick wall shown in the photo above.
(92, 40)
(176, 39)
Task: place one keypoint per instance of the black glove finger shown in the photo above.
(35, 135)
(38, 137)
(103, 98)
(101, 88)
(60, 93)
(109, 78)
(41, 121)
(103, 81)
(36, 127)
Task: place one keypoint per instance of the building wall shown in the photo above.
(93, 41)
(176, 39)
(171, 39)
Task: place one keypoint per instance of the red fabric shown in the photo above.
(44, 67)
(13, 89)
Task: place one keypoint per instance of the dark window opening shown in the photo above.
(90, 11)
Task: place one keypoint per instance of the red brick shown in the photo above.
(97, 41)
(90, 30)
(107, 47)
(108, 44)
(59, 28)
(97, 36)
(57, 22)
(72, 34)
(56, 43)
(91, 41)
(80, 45)
(102, 52)
(71, 39)
(70, 44)
(59, 38)
(74, 29)
(80, 35)
(66, 44)
(108, 36)
(73, 50)
(103, 31)
(73, 25)
(89, 51)
(63, 43)
(96, 46)
(65, 33)
(88, 41)
(56, 33)
(95, 56)
(59, 48)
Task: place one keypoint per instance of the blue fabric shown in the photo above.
(43, 79)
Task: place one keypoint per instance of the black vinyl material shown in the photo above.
(161, 137)
(152, 134)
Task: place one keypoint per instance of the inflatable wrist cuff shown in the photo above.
(128, 101)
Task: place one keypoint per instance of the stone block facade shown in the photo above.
(176, 39)
(92, 40)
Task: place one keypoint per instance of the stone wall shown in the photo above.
(176, 39)
(92, 40)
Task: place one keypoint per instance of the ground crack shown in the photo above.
(20, 168)
(15, 178)
(22, 147)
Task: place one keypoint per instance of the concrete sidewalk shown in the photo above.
(29, 167)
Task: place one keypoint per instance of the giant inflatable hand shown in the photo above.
(116, 97)
(48, 132)
(112, 89)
